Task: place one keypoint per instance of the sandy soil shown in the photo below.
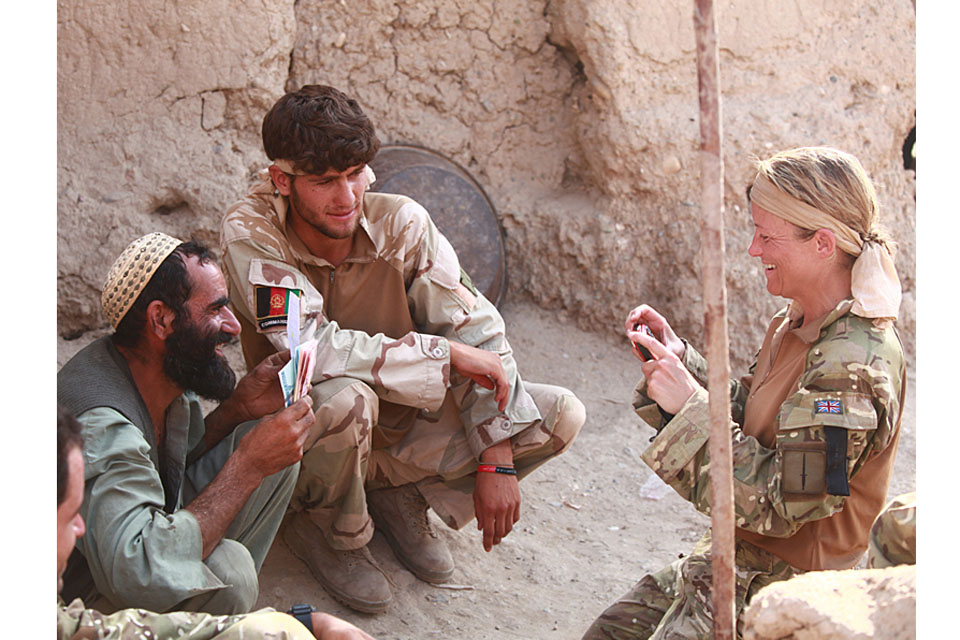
(592, 522)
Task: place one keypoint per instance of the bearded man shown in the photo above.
(181, 509)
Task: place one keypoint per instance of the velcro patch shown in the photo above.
(804, 469)
(830, 405)
(272, 304)
(836, 473)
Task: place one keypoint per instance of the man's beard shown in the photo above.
(192, 362)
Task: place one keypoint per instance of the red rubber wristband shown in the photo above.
(492, 468)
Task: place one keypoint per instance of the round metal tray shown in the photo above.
(458, 205)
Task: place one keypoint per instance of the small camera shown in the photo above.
(641, 351)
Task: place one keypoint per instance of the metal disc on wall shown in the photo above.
(458, 205)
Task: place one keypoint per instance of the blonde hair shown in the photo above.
(831, 181)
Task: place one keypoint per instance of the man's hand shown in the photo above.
(496, 497)
(483, 367)
(328, 627)
(258, 393)
(277, 441)
(645, 314)
(669, 384)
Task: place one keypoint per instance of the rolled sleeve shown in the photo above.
(138, 554)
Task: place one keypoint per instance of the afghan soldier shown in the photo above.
(419, 400)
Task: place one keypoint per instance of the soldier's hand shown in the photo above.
(645, 314)
(258, 393)
(277, 441)
(496, 496)
(496, 500)
(669, 384)
(328, 627)
(483, 367)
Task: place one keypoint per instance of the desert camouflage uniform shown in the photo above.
(390, 411)
(75, 622)
(852, 361)
(893, 537)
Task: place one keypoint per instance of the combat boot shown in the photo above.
(352, 577)
(400, 514)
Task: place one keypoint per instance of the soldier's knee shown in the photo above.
(570, 416)
(232, 563)
(344, 396)
(343, 406)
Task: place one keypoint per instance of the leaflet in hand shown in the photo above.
(296, 374)
(293, 321)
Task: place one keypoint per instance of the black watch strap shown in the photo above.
(302, 612)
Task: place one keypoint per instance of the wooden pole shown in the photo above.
(715, 321)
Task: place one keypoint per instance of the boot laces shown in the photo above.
(363, 553)
(416, 512)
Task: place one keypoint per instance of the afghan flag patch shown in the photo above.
(828, 406)
(272, 305)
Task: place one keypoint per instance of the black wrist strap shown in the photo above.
(302, 612)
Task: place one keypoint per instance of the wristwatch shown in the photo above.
(302, 612)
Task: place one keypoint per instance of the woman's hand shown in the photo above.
(669, 384)
(645, 314)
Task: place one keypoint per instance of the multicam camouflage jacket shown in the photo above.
(853, 379)
(74, 621)
(382, 316)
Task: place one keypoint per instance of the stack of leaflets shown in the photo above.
(296, 374)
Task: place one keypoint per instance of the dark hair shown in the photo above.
(319, 127)
(68, 438)
(170, 284)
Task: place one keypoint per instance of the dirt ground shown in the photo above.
(592, 521)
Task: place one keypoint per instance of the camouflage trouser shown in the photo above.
(676, 602)
(340, 464)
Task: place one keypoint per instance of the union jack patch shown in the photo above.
(828, 406)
